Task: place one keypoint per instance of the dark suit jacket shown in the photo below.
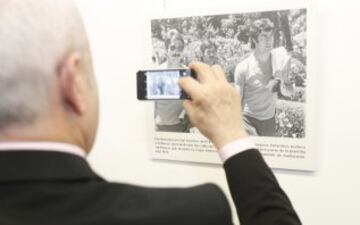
(51, 188)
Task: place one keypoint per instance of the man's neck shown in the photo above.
(43, 146)
(262, 57)
(171, 64)
(42, 132)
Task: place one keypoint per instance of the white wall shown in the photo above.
(329, 196)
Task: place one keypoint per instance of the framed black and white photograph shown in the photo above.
(265, 55)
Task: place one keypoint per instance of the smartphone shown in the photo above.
(161, 84)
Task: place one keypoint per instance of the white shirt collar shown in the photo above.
(42, 146)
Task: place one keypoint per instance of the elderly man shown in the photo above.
(48, 122)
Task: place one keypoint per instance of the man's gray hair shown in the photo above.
(35, 35)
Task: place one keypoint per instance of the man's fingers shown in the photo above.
(203, 71)
(218, 72)
(190, 86)
(187, 104)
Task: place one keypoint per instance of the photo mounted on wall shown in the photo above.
(264, 54)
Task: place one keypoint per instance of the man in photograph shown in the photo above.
(258, 76)
(208, 52)
(169, 115)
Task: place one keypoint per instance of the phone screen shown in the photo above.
(161, 84)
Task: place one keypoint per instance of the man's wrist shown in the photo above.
(235, 147)
(220, 142)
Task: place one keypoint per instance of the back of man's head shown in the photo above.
(34, 36)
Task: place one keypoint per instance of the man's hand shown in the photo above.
(215, 107)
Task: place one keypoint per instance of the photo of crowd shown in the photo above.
(264, 53)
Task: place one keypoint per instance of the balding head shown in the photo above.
(43, 49)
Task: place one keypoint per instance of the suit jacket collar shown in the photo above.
(43, 166)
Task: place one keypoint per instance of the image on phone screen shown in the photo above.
(163, 84)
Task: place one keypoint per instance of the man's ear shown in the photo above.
(71, 84)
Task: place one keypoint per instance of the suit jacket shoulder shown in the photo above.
(57, 188)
